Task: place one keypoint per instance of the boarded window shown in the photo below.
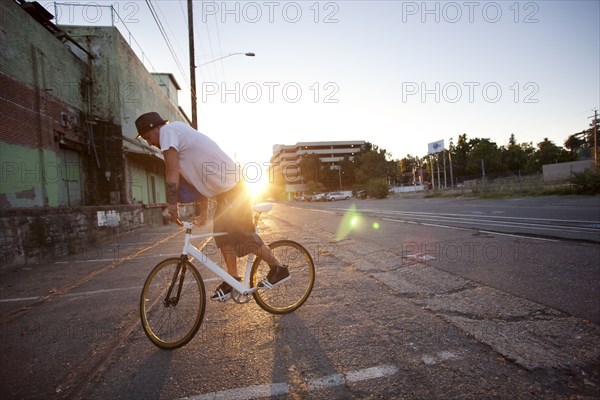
(70, 185)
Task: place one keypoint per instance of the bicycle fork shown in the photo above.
(181, 268)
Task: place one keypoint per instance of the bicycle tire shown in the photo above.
(170, 326)
(288, 296)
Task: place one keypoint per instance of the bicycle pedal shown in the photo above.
(267, 285)
(222, 298)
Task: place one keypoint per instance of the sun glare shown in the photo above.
(257, 189)
(257, 183)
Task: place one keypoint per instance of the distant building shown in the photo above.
(286, 159)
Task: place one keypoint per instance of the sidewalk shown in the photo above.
(63, 319)
(25, 284)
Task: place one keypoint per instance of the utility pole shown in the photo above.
(445, 178)
(450, 159)
(432, 173)
(437, 156)
(192, 63)
(482, 170)
(596, 137)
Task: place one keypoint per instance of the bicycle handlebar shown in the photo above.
(256, 217)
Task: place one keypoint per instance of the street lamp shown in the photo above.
(193, 77)
(249, 54)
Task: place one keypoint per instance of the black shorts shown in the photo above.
(233, 215)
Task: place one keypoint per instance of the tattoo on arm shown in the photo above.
(172, 194)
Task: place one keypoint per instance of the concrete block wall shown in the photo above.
(563, 171)
(33, 236)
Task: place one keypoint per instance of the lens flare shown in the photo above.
(350, 222)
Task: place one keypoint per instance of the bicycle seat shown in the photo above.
(263, 207)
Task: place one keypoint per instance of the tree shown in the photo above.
(460, 154)
(514, 156)
(576, 141)
(377, 188)
(330, 177)
(549, 153)
(371, 163)
(488, 151)
(311, 168)
(314, 187)
(582, 143)
(408, 169)
(529, 152)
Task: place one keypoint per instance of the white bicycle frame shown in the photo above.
(190, 250)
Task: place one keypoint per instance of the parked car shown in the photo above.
(337, 196)
(361, 194)
(318, 197)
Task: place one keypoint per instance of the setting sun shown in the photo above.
(256, 180)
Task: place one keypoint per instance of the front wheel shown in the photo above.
(172, 303)
(288, 296)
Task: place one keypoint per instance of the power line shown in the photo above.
(173, 35)
(209, 41)
(219, 44)
(165, 37)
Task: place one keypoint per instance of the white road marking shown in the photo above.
(88, 293)
(371, 373)
(19, 299)
(421, 257)
(95, 260)
(250, 392)
(446, 355)
(275, 389)
(531, 223)
(450, 215)
(465, 229)
(471, 229)
(325, 382)
(428, 360)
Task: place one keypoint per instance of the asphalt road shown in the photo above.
(564, 217)
(402, 308)
(545, 249)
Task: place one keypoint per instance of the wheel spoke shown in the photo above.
(170, 325)
(290, 295)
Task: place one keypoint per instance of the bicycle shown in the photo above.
(173, 299)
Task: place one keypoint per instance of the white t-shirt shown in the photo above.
(201, 161)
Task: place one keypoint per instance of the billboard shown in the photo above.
(435, 147)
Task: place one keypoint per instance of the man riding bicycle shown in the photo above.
(197, 169)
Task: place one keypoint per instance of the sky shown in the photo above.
(398, 74)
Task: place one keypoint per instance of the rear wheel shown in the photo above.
(288, 296)
(172, 303)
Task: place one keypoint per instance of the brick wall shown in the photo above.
(42, 106)
(36, 126)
